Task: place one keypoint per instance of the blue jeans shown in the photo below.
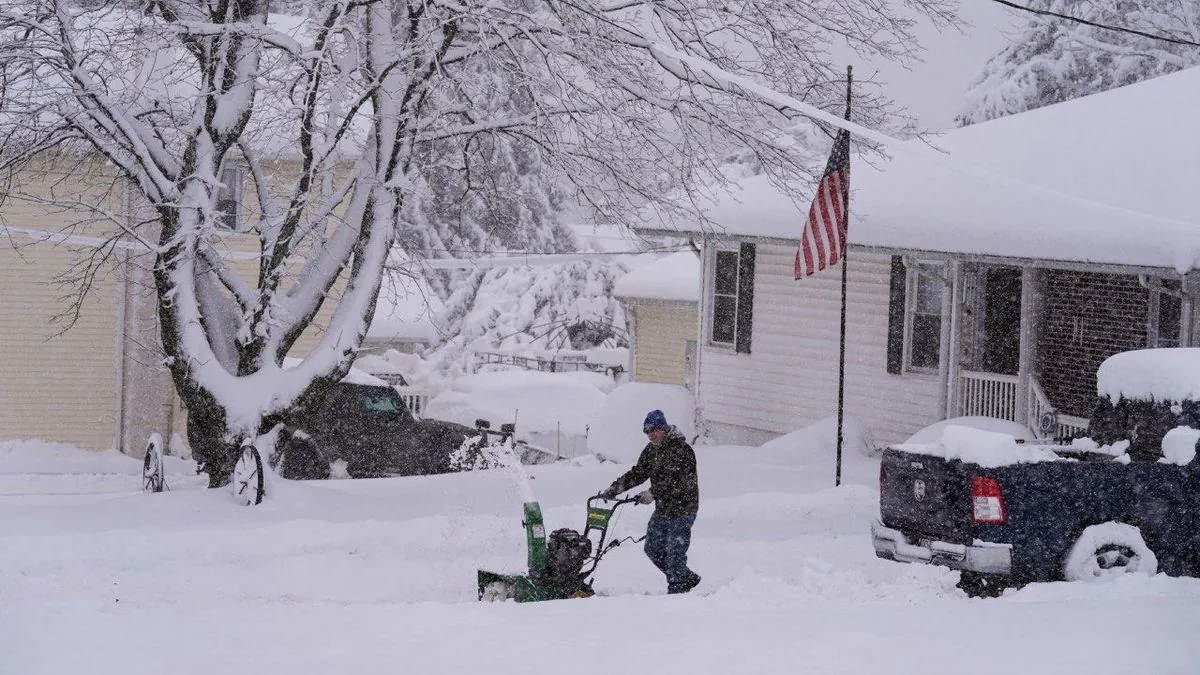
(667, 542)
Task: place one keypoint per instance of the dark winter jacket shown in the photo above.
(671, 470)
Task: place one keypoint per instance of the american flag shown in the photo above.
(823, 242)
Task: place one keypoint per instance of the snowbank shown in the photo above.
(819, 438)
(616, 426)
(551, 410)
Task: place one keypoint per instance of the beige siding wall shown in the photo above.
(663, 331)
(54, 387)
(73, 387)
(790, 378)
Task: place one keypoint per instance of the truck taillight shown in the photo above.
(988, 500)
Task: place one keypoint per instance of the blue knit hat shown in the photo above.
(655, 419)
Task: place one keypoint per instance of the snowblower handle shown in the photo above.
(616, 502)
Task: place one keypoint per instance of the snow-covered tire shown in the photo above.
(247, 483)
(498, 591)
(1109, 549)
(977, 585)
(153, 479)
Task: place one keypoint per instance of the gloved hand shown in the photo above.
(644, 497)
(609, 492)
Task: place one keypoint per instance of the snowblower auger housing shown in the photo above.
(560, 566)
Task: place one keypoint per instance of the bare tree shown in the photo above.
(347, 117)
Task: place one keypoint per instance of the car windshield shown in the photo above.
(372, 402)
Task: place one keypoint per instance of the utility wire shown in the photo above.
(1118, 29)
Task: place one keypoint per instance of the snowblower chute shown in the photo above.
(561, 565)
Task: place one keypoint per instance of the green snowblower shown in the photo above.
(561, 565)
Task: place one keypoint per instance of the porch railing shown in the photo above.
(414, 398)
(987, 395)
(995, 395)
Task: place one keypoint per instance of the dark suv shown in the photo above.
(365, 431)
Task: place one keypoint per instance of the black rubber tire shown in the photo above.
(301, 459)
(152, 469)
(977, 585)
(248, 485)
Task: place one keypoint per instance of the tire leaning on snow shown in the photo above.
(247, 485)
(1109, 549)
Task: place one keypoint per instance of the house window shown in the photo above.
(916, 316)
(733, 298)
(925, 326)
(1166, 312)
(229, 198)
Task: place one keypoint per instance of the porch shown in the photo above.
(1026, 341)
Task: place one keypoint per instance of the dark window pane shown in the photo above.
(929, 290)
(1170, 312)
(727, 266)
(227, 214)
(724, 314)
(926, 340)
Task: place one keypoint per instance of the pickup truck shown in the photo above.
(1125, 499)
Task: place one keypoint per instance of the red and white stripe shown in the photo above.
(824, 238)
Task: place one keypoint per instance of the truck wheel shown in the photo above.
(303, 460)
(977, 585)
(1109, 549)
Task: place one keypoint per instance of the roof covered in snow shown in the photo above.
(405, 310)
(1108, 178)
(675, 277)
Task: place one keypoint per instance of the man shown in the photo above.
(669, 463)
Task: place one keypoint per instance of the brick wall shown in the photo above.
(1087, 318)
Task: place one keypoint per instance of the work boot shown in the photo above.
(692, 581)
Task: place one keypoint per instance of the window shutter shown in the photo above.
(895, 334)
(745, 302)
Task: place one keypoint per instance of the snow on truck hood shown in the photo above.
(977, 446)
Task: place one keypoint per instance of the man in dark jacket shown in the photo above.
(669, 463)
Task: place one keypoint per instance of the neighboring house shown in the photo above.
(661, 297)
(969, 294)
(91, 379)
(404, 317)
(97, 380)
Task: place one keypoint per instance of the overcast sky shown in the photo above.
(933, 90)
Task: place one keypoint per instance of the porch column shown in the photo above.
(1030, 313)
(952, 339)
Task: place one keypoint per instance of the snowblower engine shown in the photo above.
(566, 553)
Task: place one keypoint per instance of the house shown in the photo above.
(93, 376)
(661, 298)
(88, 376)
(404, 317)
(989, 281)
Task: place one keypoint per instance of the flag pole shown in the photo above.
(837, 480)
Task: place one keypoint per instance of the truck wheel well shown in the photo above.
(1141, 525)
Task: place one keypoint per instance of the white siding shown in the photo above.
(790, 378)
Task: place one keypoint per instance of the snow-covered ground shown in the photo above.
(378, 576)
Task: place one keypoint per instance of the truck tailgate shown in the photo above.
(925, 495)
